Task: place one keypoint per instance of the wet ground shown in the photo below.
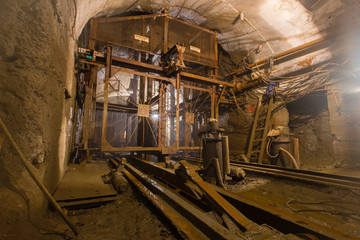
(336, 208)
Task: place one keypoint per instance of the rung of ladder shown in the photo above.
(257, 140)
(259, 129)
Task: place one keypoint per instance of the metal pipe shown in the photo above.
(291, 157)
(240, 86)
(226, 155)
(36, 179)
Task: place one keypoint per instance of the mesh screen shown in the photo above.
(122, 32)
(200, 44)
(187, 35)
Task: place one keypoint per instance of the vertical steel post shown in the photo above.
(92, 109)
(85, 137)
(166, 34)
(177, 108)
(216, 75)
(187, 127)
(162, 115)
(106, 93)
(213, 98)
(89, 106)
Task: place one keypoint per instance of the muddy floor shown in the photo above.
(129, 217)
(337, 208)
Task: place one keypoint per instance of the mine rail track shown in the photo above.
(303, 175)
(166, 190)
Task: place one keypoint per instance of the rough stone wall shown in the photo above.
(35, 70)
(238, 127)
(344, 121)
(315, 143)
(310, 122)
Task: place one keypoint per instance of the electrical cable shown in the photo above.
(267, 149)
(266, 41)
(333, 212)
(293, 87)
(291, 157)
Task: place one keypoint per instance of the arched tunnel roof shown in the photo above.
(245, 27)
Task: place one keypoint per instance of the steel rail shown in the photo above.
(281, 220)
(183, 226)
(190, 221)
(303, 175)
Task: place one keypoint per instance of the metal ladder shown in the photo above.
(259, 130)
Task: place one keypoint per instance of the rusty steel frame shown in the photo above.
(111, 71)
(114, 64)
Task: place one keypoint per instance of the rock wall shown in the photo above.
(310, 122)
(344, 109)
(36, 66)
(316, 143)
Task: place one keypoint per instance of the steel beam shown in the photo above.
(277, 218)
(206, 80)
(207, 225)
(106, 94)
(217, 202)
(304, 175)
(183, 226)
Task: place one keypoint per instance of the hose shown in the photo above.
(267, 149)
(291, 156)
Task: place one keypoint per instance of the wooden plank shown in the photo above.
(83, 181)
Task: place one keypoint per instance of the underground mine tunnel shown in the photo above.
(179, 119)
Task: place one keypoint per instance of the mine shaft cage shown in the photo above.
(144, 107)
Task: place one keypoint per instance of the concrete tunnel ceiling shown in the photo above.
(244, 26)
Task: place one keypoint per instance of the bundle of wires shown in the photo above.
(294, 87)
